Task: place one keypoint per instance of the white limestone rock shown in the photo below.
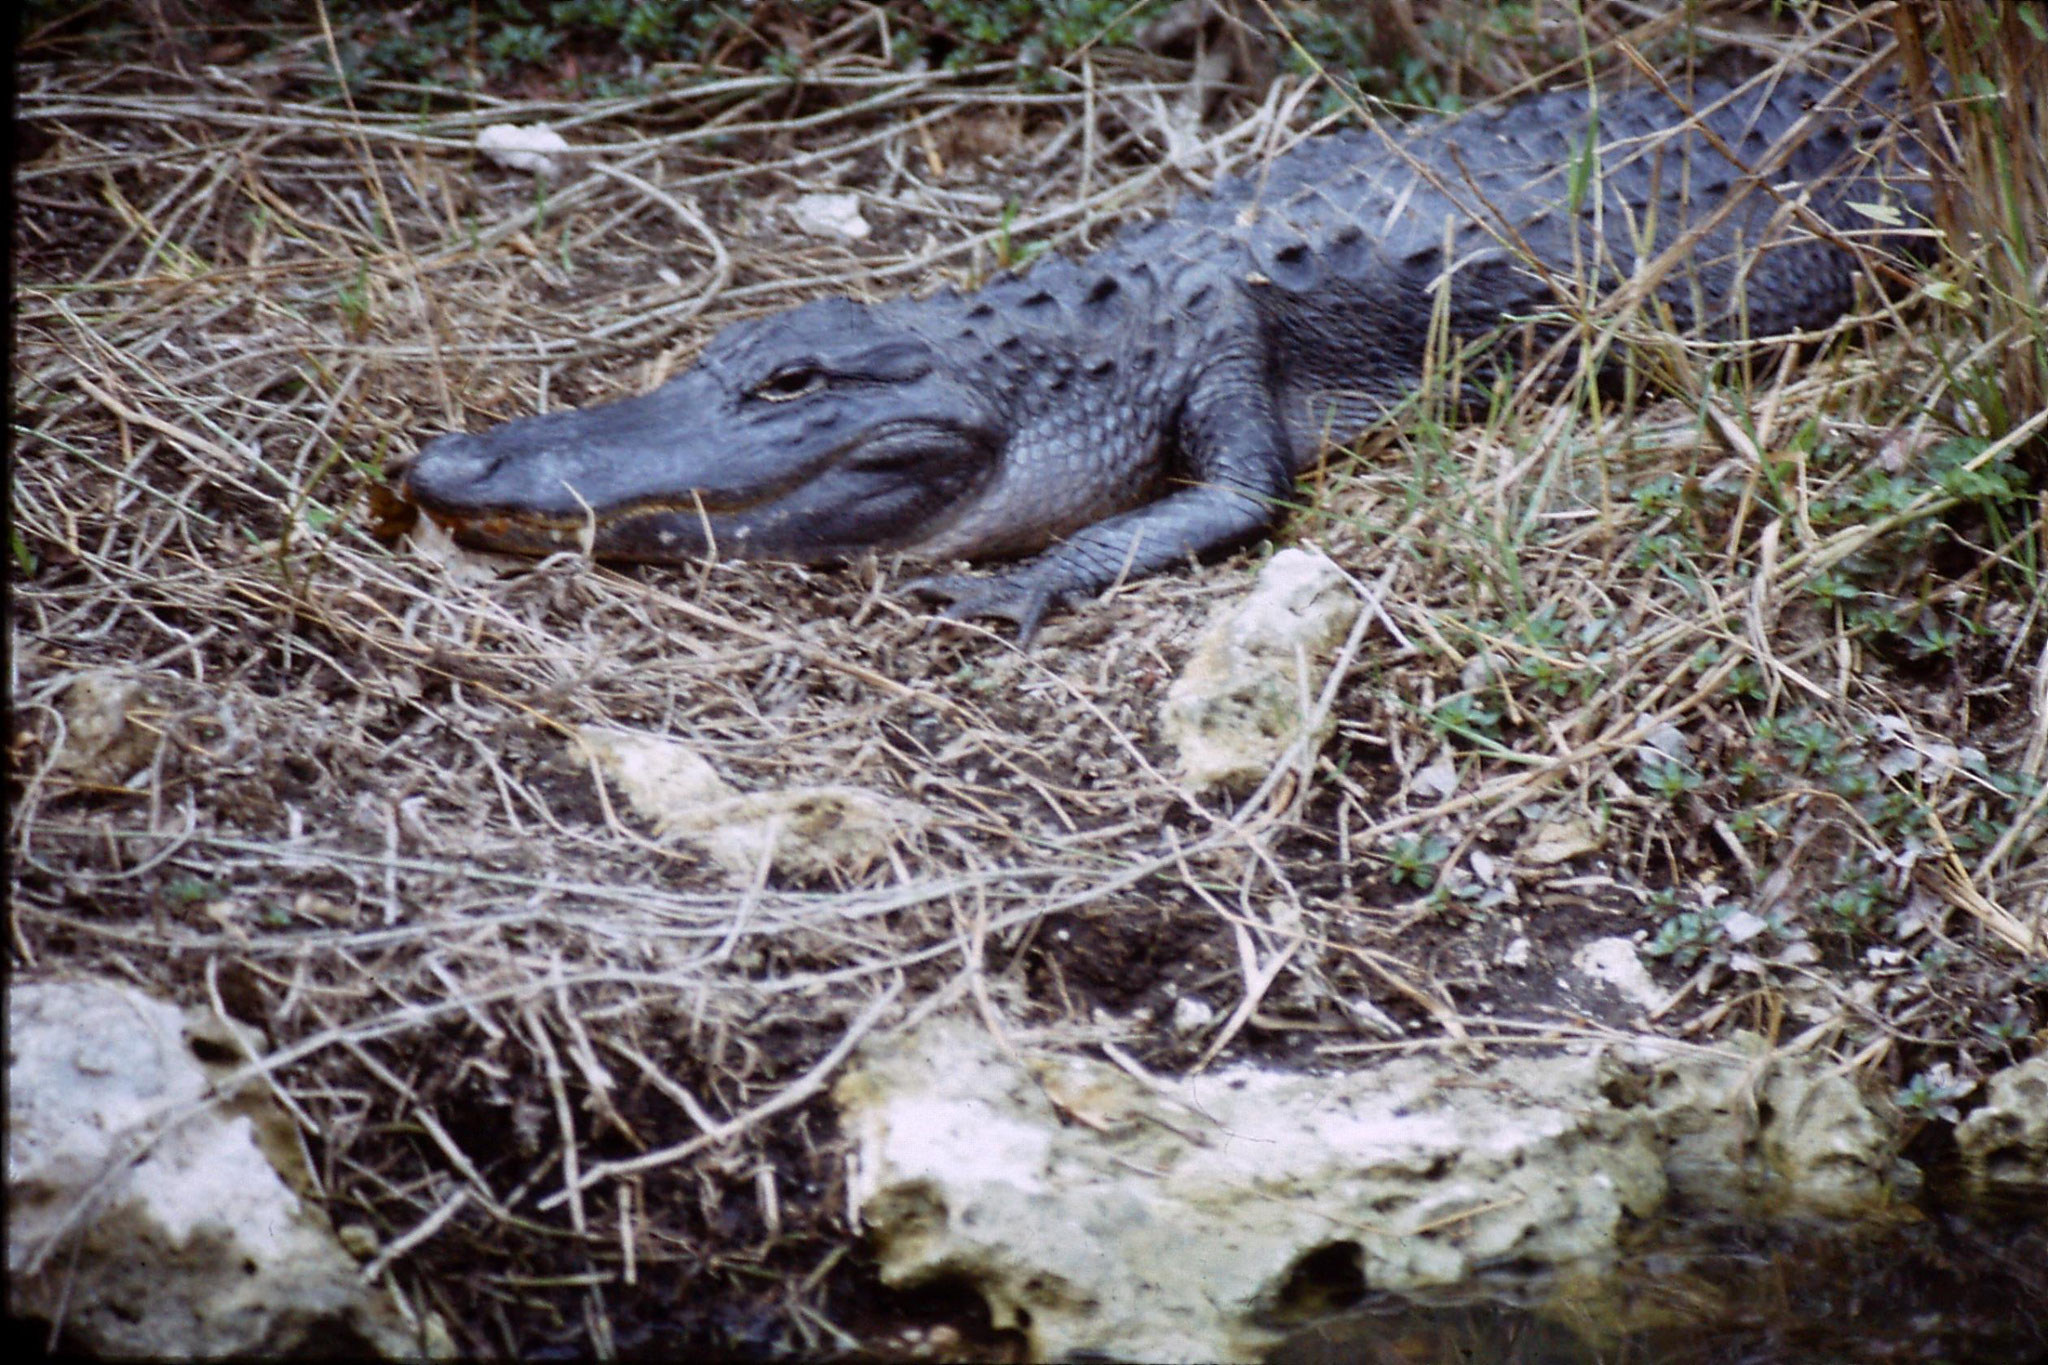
(1767, 1135)
(155, 1222)
(1238, 705)
(536, 149)
(2004, 1141)
(1099, 1214)
(102, 743)
(1164, 1225)
(833, 216)
(805, 832)
(1614, 964)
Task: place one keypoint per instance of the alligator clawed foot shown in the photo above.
(967, 597)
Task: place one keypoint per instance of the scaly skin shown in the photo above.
(1112, 417)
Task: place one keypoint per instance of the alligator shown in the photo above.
(1101, 419)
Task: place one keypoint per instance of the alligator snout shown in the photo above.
(447, 470)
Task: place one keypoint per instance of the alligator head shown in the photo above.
(809, 435)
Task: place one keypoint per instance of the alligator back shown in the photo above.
(1352, 243)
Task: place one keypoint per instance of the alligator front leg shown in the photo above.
(1240, 468)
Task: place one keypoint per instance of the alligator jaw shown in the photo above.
(462, 482)
(517, 490)
(646, 535)
(780, 526)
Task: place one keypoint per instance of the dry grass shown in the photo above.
(1619, 673)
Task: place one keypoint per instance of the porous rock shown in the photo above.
(2004, 1141)
(536, 150)
(1159, 1220)
(1250, 685)
(805, 832)
(103, 744)
(833, 216)
(1769, 1134)
(1612, 963)
(155, 1222)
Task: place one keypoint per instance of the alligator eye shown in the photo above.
(793, 381)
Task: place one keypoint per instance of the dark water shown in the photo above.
(1934, 1287)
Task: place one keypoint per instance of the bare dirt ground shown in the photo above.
(1745, 672)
